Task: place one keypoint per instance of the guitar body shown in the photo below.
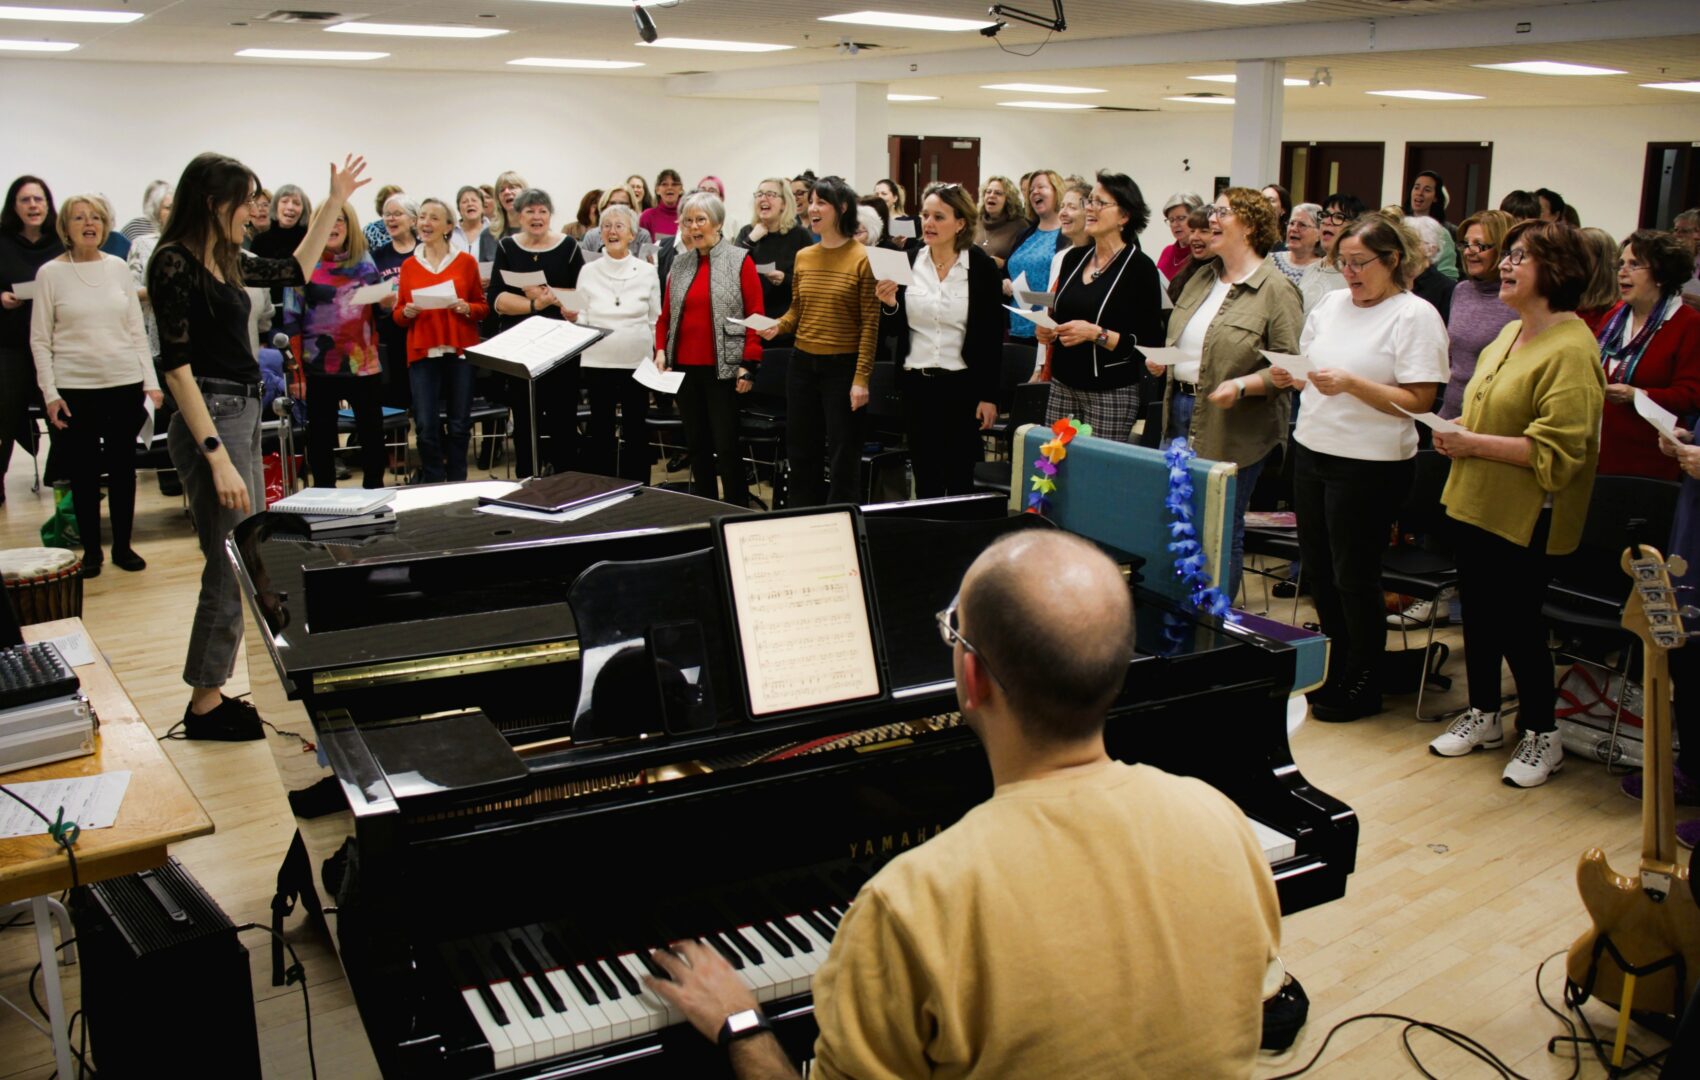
(1641, 929)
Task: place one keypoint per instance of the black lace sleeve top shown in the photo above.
(203, 322)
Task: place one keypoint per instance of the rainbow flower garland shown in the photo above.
(1190, 563)
(1044, 477)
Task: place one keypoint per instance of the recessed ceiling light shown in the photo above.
(906, 22)
(710, 45)
(1041, 88)
(37, 46)
(310, 54)
(38, 14)
(561, 62)
(1551, 67)
(911, 97)
(1426, 95)
(1045, 105)
(1692, 87)
(1202, 99)
(412, 30)
(1235, 78)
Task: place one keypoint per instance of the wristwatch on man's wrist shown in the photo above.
(742, 1025)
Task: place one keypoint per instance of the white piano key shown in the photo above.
(500, 1047)
(784, 974)
(560, 1033)
(756, 977)
(612, 1023)
(639, 1018)
(522, 1030)
(817, 955)
(650, 998)
(1276, 845)
(577, 1015)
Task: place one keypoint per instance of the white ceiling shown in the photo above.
(211, 31)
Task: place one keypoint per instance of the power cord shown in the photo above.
(295, 973)
(1470, 1045)
(64, 833)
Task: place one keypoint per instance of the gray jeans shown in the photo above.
(217, 631)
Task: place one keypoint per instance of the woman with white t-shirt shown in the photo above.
(1377, 348)
(621, 293)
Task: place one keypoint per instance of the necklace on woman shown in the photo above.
(95, 284)
(1097, 266)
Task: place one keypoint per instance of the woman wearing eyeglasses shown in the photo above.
(773, 238)
(1649, 343)
(1522, 474)
(1477, 314)
(1304, 242)
(1322, 277)
(1378, 348)
(1106, 303)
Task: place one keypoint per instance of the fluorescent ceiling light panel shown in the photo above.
(37, 46)
(1551, 67)
(1200, 99)
(310, 54)
(562, 62)
(412, 30)
(1251, 3)
(911, 97)
(905, 22)
(592, 3)
(710, 45)
(1235, 78)
(1692, 87)
(74, 15)
(1426, 95)
(1041, 88)
(1045, 105)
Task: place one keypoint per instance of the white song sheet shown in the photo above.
(889, 265)
(801, 610)
(431, 297)
(537, 342)
(90, 801)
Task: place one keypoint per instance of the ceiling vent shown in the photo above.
(318, 18)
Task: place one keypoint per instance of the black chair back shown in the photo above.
(1421, 513)
(885, 405)
(767, 390)
(1017, 367)
(1616, 501)
(1028, 404)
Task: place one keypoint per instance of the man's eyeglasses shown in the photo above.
(949, 631)
(1333, 217)
(1515, 257)
(1358, 267)
(1475, 247)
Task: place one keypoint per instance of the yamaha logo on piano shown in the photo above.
(893, 843)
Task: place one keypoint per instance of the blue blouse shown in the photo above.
(1032, 258)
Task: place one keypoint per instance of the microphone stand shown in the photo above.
(284, 406)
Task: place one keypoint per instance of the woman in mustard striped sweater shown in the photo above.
(835, 317)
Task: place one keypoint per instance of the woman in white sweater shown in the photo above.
(621, 293)
(94, 367)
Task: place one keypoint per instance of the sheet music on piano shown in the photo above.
(799, 601)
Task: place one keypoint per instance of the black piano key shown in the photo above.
(626, 978)
(581, 984)
(604, 979)
(743, 944)
(471, 973)
(534, 967)
(724, 948)
(798, 938)
(780, 945)
(505, 964)
(654, 969)
(820, 925)
(563, 958)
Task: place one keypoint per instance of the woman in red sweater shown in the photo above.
(1649, 342)
(441, 325)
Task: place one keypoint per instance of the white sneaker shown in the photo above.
(1418, 614)
(1475, 730)
(1538, 756)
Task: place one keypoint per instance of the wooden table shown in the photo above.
(158, 810)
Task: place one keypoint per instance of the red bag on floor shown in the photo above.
(272, 464)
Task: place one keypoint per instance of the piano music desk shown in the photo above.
(158, 810)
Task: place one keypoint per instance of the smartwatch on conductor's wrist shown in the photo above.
(742, 1025)
(210, 445)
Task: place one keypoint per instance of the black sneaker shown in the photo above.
(1284, 1016)
(324, 797)
(231, 720)
(1285, 590)
(127, 559)
(1356, 698)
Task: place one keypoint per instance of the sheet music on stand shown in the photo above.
(534, 347)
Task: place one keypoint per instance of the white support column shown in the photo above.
(853, 133)
(1258, 94)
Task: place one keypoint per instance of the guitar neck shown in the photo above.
(1658, 797)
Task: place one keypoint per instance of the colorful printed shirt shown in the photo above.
(335, 336)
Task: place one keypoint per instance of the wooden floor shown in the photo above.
(1463, 885)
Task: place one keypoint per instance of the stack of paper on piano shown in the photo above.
(325, 510)
(535, 346)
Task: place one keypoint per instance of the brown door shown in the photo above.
(1313, 171)
(919, 160)
(1464, 167)
(1671, 183)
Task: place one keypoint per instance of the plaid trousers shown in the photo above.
(1111, 413)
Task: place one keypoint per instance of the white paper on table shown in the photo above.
(1656, 414)
(374, 294)
(74, 647)
(1037, 318)
(755, 322)
(90, 801)
(537, 342)
(145, 435)
(1165, 355)
(1298, 365)
(662, 382)
(903, 228)
(485, 269)
(1431, 420)
(24, 290)
(522, 280)
(767, 268)
(889, 265)
(565, 515)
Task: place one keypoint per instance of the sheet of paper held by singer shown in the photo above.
(802, 615)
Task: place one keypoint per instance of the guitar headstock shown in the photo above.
(1652, 613)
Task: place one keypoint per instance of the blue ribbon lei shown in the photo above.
(1190, 562)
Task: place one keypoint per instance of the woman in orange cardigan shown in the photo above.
(440, 328)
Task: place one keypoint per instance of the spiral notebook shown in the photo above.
(333, 502)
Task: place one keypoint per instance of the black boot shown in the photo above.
(1358, 696)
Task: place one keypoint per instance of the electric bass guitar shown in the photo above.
(1643, 950)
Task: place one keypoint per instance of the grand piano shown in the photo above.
(509, 839)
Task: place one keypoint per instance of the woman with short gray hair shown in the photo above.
(710, 281)
(622, 294)
(158, 194)
(1176, 210)
(1304, 241)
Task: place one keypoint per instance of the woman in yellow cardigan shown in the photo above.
(1518, 493)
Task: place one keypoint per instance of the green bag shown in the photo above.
(60, 530)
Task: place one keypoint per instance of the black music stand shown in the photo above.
(523, 352)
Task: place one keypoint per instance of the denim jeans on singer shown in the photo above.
(437, 380)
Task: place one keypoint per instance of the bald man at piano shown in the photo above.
(1091, 919)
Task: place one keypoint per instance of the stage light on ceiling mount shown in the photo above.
(1322, 77)
(645, 24)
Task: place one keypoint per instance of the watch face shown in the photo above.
(741, 1022)
(210, 442)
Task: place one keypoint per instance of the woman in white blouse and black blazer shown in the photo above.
(949, 328)
(622, 294)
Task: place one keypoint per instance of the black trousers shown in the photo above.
(1502, 585)
(629, 457)
(708, 405)
(100, 436)
(17, 390)
(364, 394)
(941, 431)
(1685, 707)
(821, 431)
(557, 419)
(1345, 506)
